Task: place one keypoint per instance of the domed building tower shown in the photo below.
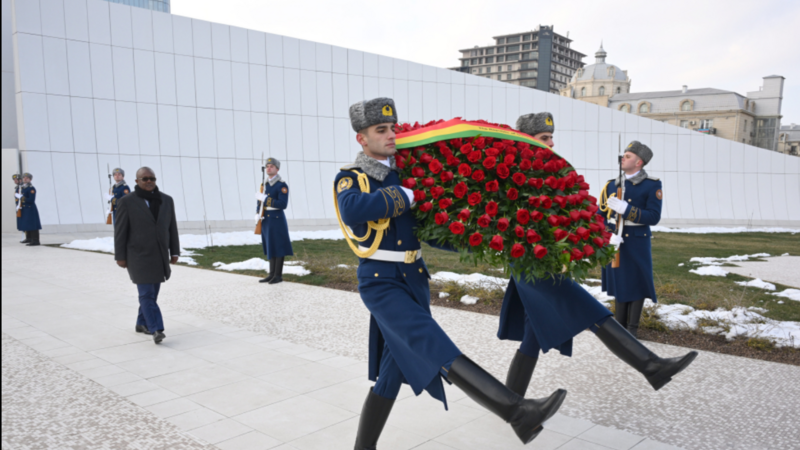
(597, 82)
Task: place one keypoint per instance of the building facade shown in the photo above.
(596, 83)
(155, 5)
(789, 140)
(541, 59)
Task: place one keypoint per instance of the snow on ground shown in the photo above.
(723, 230)
(469, 300)
(714, 271)
(296, 268)
(711, 261)
(757, 283)
(472, 280)
(791, 294)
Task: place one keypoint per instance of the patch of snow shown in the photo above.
(469, 300)
(260, 264)
(710, 261)
(680, 265)
(342, 266)
(722, 230)
(791, 294)
(443, 295)
(473, 280)
(757, 283)
(757, 309)
(188, 260)
(593, 280)
(597, 292)
(714, 271)
(780, 302)
(785, 254)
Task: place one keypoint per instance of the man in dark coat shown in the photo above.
(28, 217)
(146, 243)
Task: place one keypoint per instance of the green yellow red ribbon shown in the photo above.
(457, 128)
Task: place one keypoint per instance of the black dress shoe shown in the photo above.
(143, 329)
(271, 275)
(158, 337)
(33, 244)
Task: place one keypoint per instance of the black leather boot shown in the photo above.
(520, 373)
(271, 271)
(525, 416)
(634, 316)
(373, 418)
(34, 239)
(278, 271)
(621, 313)
(658, 371)
(27, 238)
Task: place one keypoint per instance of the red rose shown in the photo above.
(478, 176)
(492, 186)
(519, 231)
(512, 194)
(595, 227)
(538, 164)
(553, 220)
(464, 170)
(551, 182)
(586, 215)
(435, 166)
(575, 215)
(437, 192)
(592, 209)
(598, 241)
(562, 202)
(523, 216)
(525, 164)
(445, 203)
(490, 162)
(536, 182)
(446, 176)
(464, 215)
(539, 252)
(425, 158)
(451, 160)
(551, 166)
(441, 218)
(574, 238)
(491, 208)
(419, 196)
(606, 234)
(564, 220)
(409, 183)
(503, 171)
(537, 216)
(428, 182)
(476, 239)
(532, 237)
(484, 221)
(460, 190)
(560, 234)
(509, 159)
(546, 202)
(466, 149)
(480, 142)
(519, 178)
(599, 219)
(400, 161)
(425, 207)
(576, 255)
(475, 156)
(583, 233)
(503, 224)
(418, 172)
(588, 250)
(584, 186)
(527, 153)
(496, 243)
(517, 250)
(474, 198)
(543, 153)
(457, 228)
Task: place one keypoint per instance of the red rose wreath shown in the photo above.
(503, 197)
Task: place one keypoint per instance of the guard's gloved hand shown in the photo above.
(258, 218)
(109, 197)
(261, 197)
(17, 195)
(620, 206)
(409, 195)
(616, 240)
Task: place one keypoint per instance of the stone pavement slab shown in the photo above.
(780, 269)
(283, 367)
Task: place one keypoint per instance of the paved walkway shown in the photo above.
(247, 366)
(780, 269)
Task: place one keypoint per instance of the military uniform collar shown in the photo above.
(274, 180)
(26, 185)
(638, 178)
(372, 167)
(121, 183)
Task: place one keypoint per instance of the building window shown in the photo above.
(499, 68)
(513, 57)
(602, 90)
(526, 37)
(508, 76)
(512, 48)
(490, 60)
(612, 71)
(528, 83)
(489, 69)
(501, 41)
(580, 73)
(474, 70)
(528, 74)
(500, 49)
(644, 108)
(526, 46)
(474, 53)
(686, 105)
(480, 70)
(705, 124)
(583, 92)
(626, 108)
(745, 126)
(510, 67)
(619, 89)
(500, 59)
(490, 51)
(753, 107)
(474, 61)
(685, 124)
(512, 39)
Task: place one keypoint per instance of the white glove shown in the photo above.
(616, 240)
(109, 197)
(409, 194)
(17, 196)
(261, 197)
(258, 218)
(620, 206)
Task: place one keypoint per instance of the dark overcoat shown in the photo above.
(275, 239)
(633, 279)
(29, 219)
(146, 244)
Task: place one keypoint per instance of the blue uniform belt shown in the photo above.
(408, 257)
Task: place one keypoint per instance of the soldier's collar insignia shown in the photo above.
(344, 184)
(549, 121)
(387, 111)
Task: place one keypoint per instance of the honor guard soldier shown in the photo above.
(119, 190)
(640, 208)
(28, 215)
(406, 345)
(18, 204)
(272, 201)
(548, 313)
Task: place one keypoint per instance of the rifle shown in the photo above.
(19, 185)
(620, 184)
(109, 218)
(260, 206)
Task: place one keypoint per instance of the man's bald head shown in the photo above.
(145, 171)
(146, 179)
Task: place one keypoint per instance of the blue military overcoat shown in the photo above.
(396, 294)
(118, 191)
(557, 310)
(29, 219)
(633, 279)
(274, 229)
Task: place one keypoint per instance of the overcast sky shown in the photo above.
(727, 45)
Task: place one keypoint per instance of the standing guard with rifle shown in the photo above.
(18, 204)
(28, 214)
(273, 199)
(633, 204)
(115, 192)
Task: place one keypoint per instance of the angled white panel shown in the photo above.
(124, 79)
(485, 103)
(339, 59)
(142, 20)
(324, 93)
(564, 119)
(458, 78)
(429, 102)
(443, 101)
(168, 130)
(260, 124)
(657, 127)
(310, 138)
(226, 137)
(710, 157)
(739, 197)
(145, 76)
(498, 104)
(170, 181)
(30, 63)
(473, 109)
(512, 105)
(442, 75)
(644, 125)
(231, 45)
(40, 165)
(247, 187)
(148, 129)
(763, 157)
(386, 88)
(328, 171)
(343, 134)
(257, 47)
(291, 87)
(606, 150)
(699, 199)
(274, 50)
(105, 125)
(80, 69)
(243, 133)
(792, 165)
(121, 23)
(685, 195)
(323, 55)
(223, 93)
(275, 89)
(723, 163)
(210, 183)
(472, 80)
(458, 99)
(194, 191)
(127, 128)
(60, 123)
(400, 69)
(76, 20)
(414, 71)
(91, 198)
(656, 143)
(231, 199)
(258, 88)
(737, 157)
(291, 52)
(83, 134)
(370, 87)
(355, 62)
(579, 114)
(766, 204)
(754, 198)
(617, 121)
(400, 97)
(569, 148)
(99, 22)
(415, 102)
(187, 132)
(592, 149)
(326, 139)
(631, 123)
(277, 136)
(182, 35)
(605, 119)
(166, 92)
(793, 195)
(308, 93)
(163, 40)
(720, 201)
(697, 156)
(207, 133)
(294, 139)
(592, 118)
(66, 193)
(298, 189)
(370, 65)
(779, 162)
(779, 196)
(55, 66)
(685, 153)
(750, 159)
(355, 89)
(341, 100)
(670, 152)
(201, 33)
(204, 81)
(240, 76)
(385, 67)
(671, 208)
(315, 190)
(551, 102)
(52, 18)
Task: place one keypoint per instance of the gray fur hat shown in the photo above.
(533, 124)
(118, 171)
(640, 150)
(16, 177)
(367, 113)
(274, 162)
(27, 175)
